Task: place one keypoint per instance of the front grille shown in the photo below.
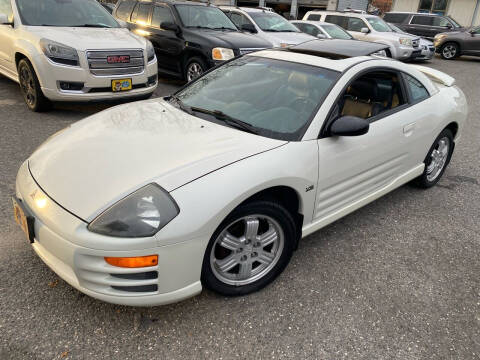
(98, 64)
(415, 43)
(249, 50)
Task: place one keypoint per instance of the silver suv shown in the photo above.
(371, 28)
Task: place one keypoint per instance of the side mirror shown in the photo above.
(4, 20)
(364, 30)
(321, 36)
(449, 26)
(170, 26)
(249, 28)
(349, 126)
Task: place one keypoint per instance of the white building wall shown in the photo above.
(462, 11)
(405, 5)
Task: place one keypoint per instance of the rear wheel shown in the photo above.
(194, 68)
(250, 248)
(30, 87)
(449, 51)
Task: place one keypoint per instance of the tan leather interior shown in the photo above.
(353, 107)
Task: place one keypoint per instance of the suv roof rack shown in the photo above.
(337, 48)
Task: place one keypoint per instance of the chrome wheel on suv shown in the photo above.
(195, 67)
(449, 51)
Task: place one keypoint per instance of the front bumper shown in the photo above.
(426, 53)
(404, 53)
(61, 239)
(94, 88)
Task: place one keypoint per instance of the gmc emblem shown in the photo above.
(118, 59)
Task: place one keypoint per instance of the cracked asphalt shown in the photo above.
(397, 279)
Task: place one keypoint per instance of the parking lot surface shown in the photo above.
(397, 279)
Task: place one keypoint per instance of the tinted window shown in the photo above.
(440, 21)
(314, 17)
(308, 29)
(277, 97)
(355, 24)
(124, 9)
(239, 19)
(141, 13)
(161, 14)
(6, 8)
(337, 20)
(395, 18)
(422, 20)
(204, 17)
(336, 32)
(417, 90)
(268, 21)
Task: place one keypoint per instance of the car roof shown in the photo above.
(412, 13)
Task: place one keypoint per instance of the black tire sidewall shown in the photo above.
(197, 60)
(285, 220)
(422, 181)
(41, 102)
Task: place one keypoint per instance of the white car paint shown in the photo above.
(277, 39)
(22, 40)
(230, 167)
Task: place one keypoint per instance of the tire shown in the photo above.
(432, 174)
(449, 51)
(194, 67)
(270, 223)
(30, 88)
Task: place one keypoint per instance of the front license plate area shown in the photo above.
(23, 219)
(121, 85)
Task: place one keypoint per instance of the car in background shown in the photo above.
(189, 37)
(456, 43)
(428, 49)
(371, 28)
(321, 29)
(108, 6)
(72, 51)
(216, 185)
(266, 25)
(422, 24)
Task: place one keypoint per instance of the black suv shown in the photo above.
(189, 37)
(421, 24)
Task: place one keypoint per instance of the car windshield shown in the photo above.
(65, 13)
(276, 98)
(268, 21)
(207, 17)
(378, 24)
(336, 32)
(454, 22)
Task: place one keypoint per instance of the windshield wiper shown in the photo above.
(199, 27)
(181, 105)
(239, 124)
(272, 30)
(92, 25)
(223, 28)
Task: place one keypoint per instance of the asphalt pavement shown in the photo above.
(397, 279)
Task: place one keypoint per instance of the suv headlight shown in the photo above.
(439, 37)
(222, 54)
(141, 214)
(405, 41)
(150, 51)
(59, 53)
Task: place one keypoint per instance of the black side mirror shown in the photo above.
(249, 28)
(349, 126)
(449, 26)
(170, 26)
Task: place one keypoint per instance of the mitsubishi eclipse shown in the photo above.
(146, 203)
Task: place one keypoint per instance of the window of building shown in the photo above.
(433, 6)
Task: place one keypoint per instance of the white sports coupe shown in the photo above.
(145, 203)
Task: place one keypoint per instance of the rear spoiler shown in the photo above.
(436, 76)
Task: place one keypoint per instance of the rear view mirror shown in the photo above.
(249, 28)
(170, 26)
(349, 126)
(364, 30)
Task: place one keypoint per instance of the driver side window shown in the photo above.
(371, 94)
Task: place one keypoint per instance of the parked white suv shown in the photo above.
(65, 50)
(371, 28)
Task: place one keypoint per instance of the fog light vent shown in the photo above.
(71, 86)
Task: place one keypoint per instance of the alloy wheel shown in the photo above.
(194, 70)
(27, 84)
(247, 249)
(438, 158)
(449, 51)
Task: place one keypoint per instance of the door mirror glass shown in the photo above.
(321, 36)
(249, 28)
(365, 30)
(349, 126)
(170, 26)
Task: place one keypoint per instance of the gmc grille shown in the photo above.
(98, 64)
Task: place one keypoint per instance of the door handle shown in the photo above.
(408, 129)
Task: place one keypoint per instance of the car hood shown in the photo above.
(98, 161)
(235, 39)
(90, 38)
(291, 38)
(395, 36)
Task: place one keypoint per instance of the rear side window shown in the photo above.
(141, 13)
(440, 21)
(124, 10)
(161, 14)
(337, 20)
(355, 24)
(239, 19)
(416, 89)
(314, 17)
(422, 20)
(395, 18)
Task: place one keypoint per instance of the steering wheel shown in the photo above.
(300, 103)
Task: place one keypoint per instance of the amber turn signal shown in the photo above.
(133, 262)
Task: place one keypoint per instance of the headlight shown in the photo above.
(440, 37)
(140, 214)
(59, 53)
(284, 45)
(405, 41)
(150, 51)
(222, 54)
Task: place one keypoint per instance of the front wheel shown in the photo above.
(194, 68)
(437, 160)
(449, 51)
(250, 249)
(30, 87)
